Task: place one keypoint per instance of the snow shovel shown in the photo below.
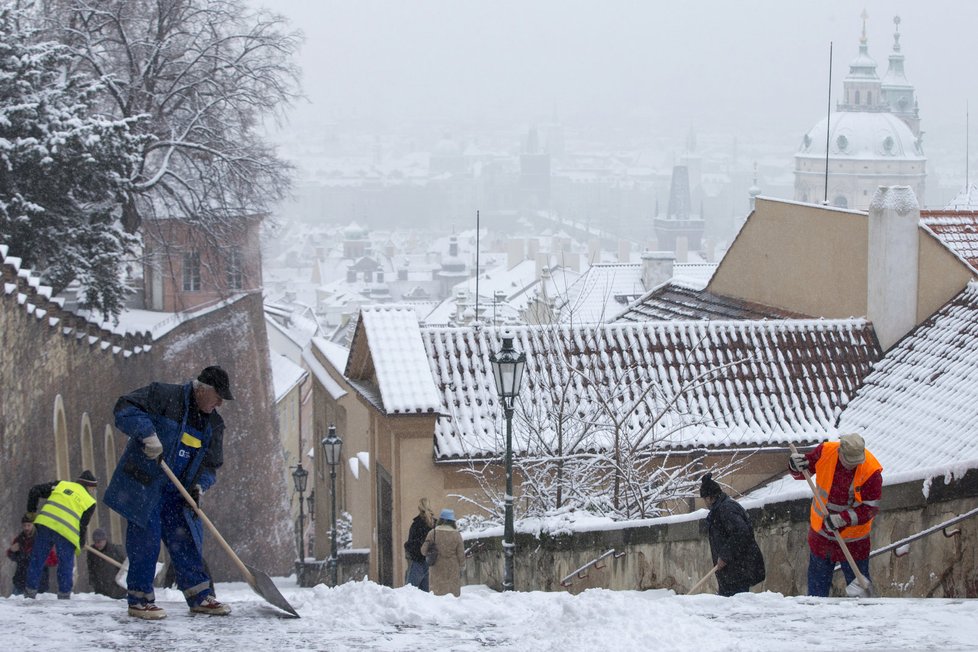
(259, 582)
(864, 587)
(699, 585)
(122, 575)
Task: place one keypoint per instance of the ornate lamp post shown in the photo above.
(507, 370)
(332, 445)
(300, 476)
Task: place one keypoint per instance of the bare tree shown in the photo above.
(598, 432)
(203, 74)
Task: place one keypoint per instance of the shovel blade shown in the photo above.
(855, 590)
(263, 586)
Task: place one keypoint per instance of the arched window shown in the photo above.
(61, 461)
(840, 202)
(857, 98)
(115, 521)
(88, 461)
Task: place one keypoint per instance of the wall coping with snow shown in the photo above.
(673, 552)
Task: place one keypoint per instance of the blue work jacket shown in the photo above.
(138, 482)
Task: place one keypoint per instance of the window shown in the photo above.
(235, 274)
(191, 272)
(857, 98)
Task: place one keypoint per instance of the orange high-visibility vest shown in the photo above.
(824, 474)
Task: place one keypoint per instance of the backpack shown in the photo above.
(432, 557)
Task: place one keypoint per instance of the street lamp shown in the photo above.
(507, 371)
(300, 476)
(331, 450)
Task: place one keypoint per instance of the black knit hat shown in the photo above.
(27, 518)
(709, 487)
(87, 479)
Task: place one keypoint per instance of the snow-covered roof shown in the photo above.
(734, 383)
(333, 388)
(966, 200)
(602, 292)
(956, 229)
(918, 408)
(285, 375)
(396, 362)
(677, 301)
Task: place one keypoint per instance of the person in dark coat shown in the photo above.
(101, 573)
(732, 544)
(180, 425)
(417, 572)
(19, 552)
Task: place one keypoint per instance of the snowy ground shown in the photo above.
(366, 616)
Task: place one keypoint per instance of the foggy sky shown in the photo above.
(755, 69)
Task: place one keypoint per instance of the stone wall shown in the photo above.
(675, 555)
(46, 352)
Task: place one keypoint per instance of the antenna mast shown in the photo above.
(828, 130)
(477, 234)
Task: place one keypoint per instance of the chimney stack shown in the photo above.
(891, 301)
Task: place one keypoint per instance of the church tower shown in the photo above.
(870, 140)
(897, 91)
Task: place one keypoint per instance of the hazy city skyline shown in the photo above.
(754, 70)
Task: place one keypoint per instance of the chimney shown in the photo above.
(682, 249)
(624, 251)
(515, 252)
(891, 276)
(656, 268)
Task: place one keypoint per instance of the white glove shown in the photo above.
(152, 447)
(834, 522)
(797, 462)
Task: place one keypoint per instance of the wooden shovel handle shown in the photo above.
(103, 556)
(863, 582)
(210, 526)
(699, 585)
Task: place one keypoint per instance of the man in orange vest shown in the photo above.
(849, 480)
(61, 523)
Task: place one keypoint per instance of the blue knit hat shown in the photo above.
(447, 514)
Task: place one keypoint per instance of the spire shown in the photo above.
(862, 85)
(754, 190)
(898, 92)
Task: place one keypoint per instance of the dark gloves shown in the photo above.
(797, 462)
(194, 492)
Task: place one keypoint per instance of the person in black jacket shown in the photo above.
(19, 552)
(102, 573)
(735, 552)
(417, 572)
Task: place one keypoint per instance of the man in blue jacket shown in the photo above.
(180, 425)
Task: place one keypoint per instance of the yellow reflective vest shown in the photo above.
(63, 509)
(824, 474)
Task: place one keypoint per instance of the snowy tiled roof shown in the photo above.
(919, 406)
(957, 229)
(733, 383)
(602, 292)
(285, 375)
(397, 362)
(676, 301)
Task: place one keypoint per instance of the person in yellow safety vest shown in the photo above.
(61, 524)
(849, 480)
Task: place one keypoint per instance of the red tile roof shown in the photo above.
(677, 385)
(958, 230)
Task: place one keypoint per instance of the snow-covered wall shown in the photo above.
(673, 552)
(46, 352)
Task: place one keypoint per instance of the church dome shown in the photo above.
(862, 134)
(354, 231)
